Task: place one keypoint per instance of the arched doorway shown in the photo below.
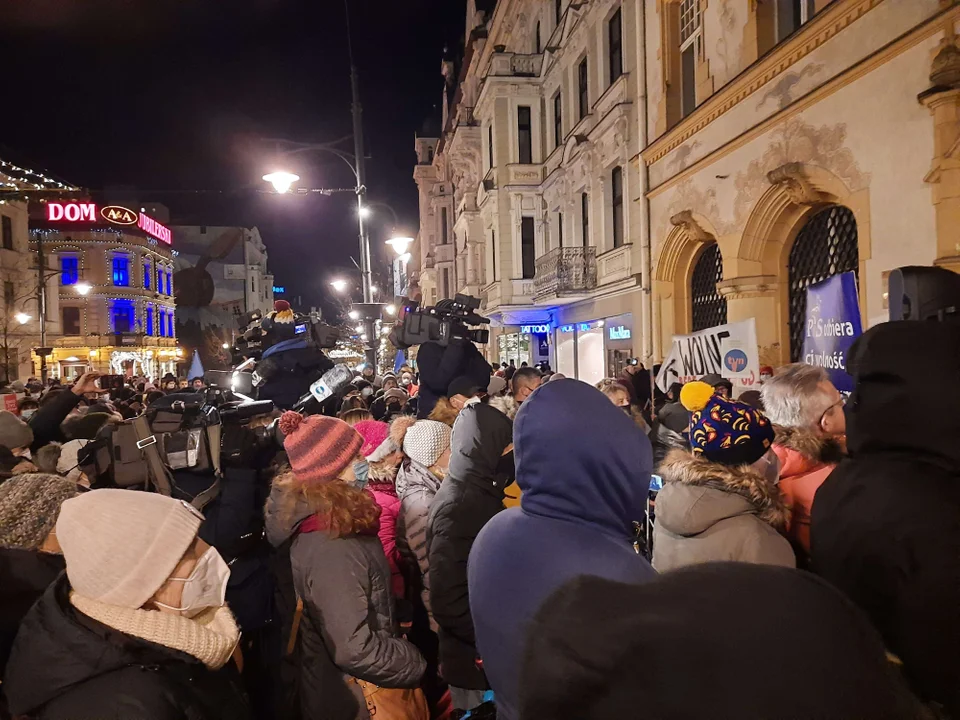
(708, 305)
(826, 246)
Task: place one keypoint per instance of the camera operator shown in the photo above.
(440, 365)
(290, 361)
(53, 410)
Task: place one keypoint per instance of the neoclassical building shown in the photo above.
(610, 173)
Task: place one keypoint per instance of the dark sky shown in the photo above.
(176, 96)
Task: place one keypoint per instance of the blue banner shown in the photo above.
(832, 325)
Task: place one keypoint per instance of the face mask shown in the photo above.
(406, 381)
(765, 377)
(205, 588)
(626, 409)
(27, 414)
(769, 466)
(361, 471)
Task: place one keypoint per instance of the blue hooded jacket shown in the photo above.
(584, 468)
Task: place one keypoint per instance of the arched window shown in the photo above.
(709, 306)
(826, 246)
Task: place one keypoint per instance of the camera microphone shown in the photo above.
(331, 382)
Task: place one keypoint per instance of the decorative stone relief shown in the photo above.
(785, 90)
(791, 178)
(685, 220)
(690, 196)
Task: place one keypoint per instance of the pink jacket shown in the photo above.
(805, 462)
(386, 497)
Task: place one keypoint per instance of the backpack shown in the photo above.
(174, 434)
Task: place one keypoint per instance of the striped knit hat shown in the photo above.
(318, 447)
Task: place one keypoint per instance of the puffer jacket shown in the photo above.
(806, 459)
(67, 666)
(382, 483)
(416, 488)
(470, 496)
(348, 626)
(710, 512)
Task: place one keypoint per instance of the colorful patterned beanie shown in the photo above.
(725, 431)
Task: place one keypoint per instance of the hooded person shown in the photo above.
(696, 643)
(807, 412)
(584, 485)
(30, 558)
(348, 631)
(885, 524)
(381, 481)
(721, 502)
(481, 467)
(426, 447)
(141, 591)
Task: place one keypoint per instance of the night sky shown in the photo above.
(178, 96)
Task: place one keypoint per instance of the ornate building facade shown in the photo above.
(610, 173)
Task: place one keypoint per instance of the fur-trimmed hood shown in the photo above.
(800, 450)
(705, 492)
(505, 404)
(383, 477)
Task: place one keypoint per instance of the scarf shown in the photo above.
(211, 637)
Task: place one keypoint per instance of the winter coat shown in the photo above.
(26, 576)
(675, 417)
(469, 497)
(348, 626)
(806, 459)
(45, 422)
(584, 484)
(885, 526)
(439, 366)
(67, 666)
(382, 485)
(416, 488)
(717, 640)
(708, 512)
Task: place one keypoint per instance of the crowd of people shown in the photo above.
(520, 546)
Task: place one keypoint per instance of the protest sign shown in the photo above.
(729, 350)
(831, 326)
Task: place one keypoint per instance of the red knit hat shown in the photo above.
(318, 447)
(373, 433)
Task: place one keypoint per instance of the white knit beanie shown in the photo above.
(121, 546)
(426, 441)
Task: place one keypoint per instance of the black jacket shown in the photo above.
(885, 525)
(469, 497)
(67, 666)
(288, 375)
(45, 422)
(26, 576)
(439, 366)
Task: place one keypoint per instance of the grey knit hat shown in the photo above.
(29, 507)
(14, 432)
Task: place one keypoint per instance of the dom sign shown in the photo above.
(72, 212)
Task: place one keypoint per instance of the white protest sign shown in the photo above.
(728, 350)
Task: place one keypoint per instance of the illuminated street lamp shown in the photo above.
(391, 309)
(23, 318)
(364, 212)
(281, 180)
(83, 287)
(400, 244)
(353, 315)
(226, 346)
(339, 285)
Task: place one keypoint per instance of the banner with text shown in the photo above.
(832, 325)
(728, 350)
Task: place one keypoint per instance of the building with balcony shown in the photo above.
(113, 272)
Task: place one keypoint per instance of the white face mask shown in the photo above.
(205, 588)
(27, 414)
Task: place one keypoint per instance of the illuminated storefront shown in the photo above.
(116, 304)
(530, 345)
(591, 351)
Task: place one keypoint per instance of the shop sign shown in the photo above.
(71, 212)
(582, 327)
(154, 229)
(119, 215)
(277, 289)
(535, 329)
(727, 350)
(619, 333)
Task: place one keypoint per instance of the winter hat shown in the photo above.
(14, 432)
(395, 394)
(18, 386)
(725, 431)
(86, 427)
(464, 385)
(715, 380)
(497, 385)
(29, 505)
(373, 433)
(387, 447)
(121, 546)
(318, 447)
(423, 441)
(600, 649)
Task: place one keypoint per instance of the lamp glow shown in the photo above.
(353, 315)
(400, 244)
(391, 309)
(226, 346)
(359, 328)
(364, 212)
(339, 285)
(83, 287)
(72, 358)
(281, 180)
(22, 318)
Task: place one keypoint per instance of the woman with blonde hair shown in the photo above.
(348, 632)
(619, 395)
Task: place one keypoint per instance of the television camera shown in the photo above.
(443, 323)
(258, 333)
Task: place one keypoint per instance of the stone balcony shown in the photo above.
(565, 272)
(518, 174)
(516, 65)
(443, 253)
(615, 265)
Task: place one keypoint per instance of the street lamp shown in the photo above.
(364, 212)
(353, 315)
(22, 318)
(391, 309)
(83, 287)
(400, 244)
(281, 180)
(339, 285)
